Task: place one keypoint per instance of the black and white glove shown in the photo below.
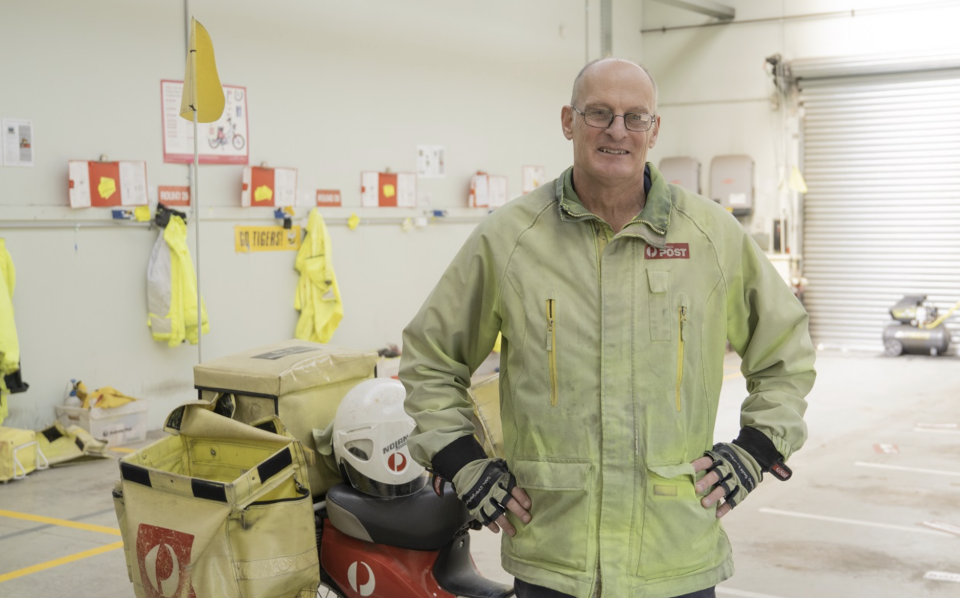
(484, 486)
(742, 463)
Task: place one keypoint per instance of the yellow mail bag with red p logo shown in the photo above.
(219, 508)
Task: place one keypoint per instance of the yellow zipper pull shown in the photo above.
(550, 324)
(683, 320)
(552, 350)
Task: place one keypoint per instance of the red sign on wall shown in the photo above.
(328, 198)
(174, 196)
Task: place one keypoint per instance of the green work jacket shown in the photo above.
(610, 375)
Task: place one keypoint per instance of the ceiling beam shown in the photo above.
(704, 7)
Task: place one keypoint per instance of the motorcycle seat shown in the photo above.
(421, 521)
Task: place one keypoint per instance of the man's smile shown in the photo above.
(617, 152)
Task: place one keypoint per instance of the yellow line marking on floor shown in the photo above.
(61, 561)
(732, 376)
(122, 450)
(61, 522)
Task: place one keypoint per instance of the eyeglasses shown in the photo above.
(601, 118)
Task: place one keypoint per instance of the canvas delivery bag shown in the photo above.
(219, 508)
(20, 454)
(300, 382)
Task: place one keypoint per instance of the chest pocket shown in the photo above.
(661, 321)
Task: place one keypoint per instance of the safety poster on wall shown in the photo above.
(106, 184)
(268, 187)
(488, 190)
(388, 190)
(225, 141)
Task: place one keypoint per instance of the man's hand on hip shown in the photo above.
(489, 491)
(731, 474)
(518, 506)
(734, 469)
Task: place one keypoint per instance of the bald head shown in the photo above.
(578, 83)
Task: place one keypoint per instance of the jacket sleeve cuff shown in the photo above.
(451, 458)
(759, 446)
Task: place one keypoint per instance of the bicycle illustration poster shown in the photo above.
(222, 142)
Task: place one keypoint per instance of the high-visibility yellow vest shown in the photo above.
(318, 296)
(172, 288)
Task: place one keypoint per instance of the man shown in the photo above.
(615, 293)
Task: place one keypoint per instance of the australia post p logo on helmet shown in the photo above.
(672, 251)
(163, 558)
(396, 456)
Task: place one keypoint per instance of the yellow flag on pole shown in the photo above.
(201, 84)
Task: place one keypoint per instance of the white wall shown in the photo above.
(334, 88)
(714, 93)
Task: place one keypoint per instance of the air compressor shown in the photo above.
(918, 328)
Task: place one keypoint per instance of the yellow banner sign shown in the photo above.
(248, 239)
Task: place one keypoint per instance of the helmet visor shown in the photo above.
(372, 487)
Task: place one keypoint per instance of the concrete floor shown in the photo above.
(846, 525)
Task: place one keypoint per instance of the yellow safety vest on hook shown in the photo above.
(318, 296)
(172, 288)
(9, 342)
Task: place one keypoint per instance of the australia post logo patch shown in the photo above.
(163, 557)
(672, 251)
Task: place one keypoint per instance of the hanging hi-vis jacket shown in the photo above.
(9, 342)
(318, 296)
(610, 377)
(172, 288)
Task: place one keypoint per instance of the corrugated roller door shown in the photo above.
(881, 158)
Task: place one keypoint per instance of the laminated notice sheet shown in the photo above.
(388, 190)
(488, 190)
(17, 142)
(269, 187)
(533, 177)
(106, 184)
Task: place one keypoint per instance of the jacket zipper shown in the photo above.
(552, 349)
(683, 319)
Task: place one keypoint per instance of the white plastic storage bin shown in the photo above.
(117, 426)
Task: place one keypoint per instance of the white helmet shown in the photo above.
(370, 434)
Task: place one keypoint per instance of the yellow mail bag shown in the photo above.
(220, 508)
(19, 454)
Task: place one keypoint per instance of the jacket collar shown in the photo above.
(651, 223)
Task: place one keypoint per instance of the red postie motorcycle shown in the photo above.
(408, 547)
